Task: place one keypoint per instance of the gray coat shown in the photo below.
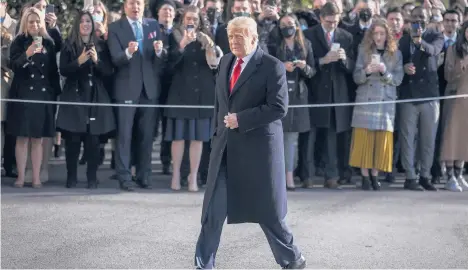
(256, 185)
(376, 87)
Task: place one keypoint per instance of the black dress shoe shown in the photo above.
(143, 184)
(299, 264)
(126, 186)
(11, 174)
(390, 178)
(426, 184)
(435, 180)
(412, 184)
(71, 183)
(92, 184)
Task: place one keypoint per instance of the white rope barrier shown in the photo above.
(211, 107)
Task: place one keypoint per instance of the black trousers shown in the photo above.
(165, 152)
(9, 157)
(278, 234)
(72, 153)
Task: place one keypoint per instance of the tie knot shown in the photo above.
(240, 61)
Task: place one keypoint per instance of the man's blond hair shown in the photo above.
(246, 24)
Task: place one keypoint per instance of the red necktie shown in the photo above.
(329, 41)
(235, 74)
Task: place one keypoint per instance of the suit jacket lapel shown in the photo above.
(320, 34)
(146, 31)
(248, 71)
(227, 68)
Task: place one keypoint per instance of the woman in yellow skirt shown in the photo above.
(379, 70)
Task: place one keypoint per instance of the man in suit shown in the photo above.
(330, 85)
(420, 50)
(246, 178)
(137, 52)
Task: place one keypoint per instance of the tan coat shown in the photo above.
(454, 116)
(8, 33)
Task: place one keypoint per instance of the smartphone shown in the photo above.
(89, 46)
(38, 41)
(375, 59)
(190, 27)
(50, 8)
(335, 46)
(415, 28)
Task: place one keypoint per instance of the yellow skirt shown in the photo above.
(372, 149)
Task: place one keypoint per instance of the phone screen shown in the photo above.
(190, 27)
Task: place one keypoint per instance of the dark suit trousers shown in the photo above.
(137, 124)
(9, 157)
(165, 152)
(330, 154)
(278, 234)
(72, 152)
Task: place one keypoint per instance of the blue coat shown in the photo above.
(376, 87)
(256, 185)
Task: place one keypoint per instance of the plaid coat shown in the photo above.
(376, 87)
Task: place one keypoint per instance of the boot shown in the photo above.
(366, 183)
(375, 182)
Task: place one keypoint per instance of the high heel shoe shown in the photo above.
(366, 183)
(18, 184)
(37, 185)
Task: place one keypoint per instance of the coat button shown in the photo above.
(43, 89)
(32, 63)
(31, 88)
(410, 81)
(42, 77)
(194, 63)
(421, 80)
(196, 90)
(32, 75)
(76, 89)
(42, 65)
(90, 75)
(195, 77)
(424, 68)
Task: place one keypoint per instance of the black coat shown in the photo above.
(34, 79)
(425, 83)
(330, 84)
(256, 185)
(297, 119)
(193, 81)
(85, 84)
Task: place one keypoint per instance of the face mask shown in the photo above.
(437, 18)
(304, 27)
(365, 14)
(288, 31)
(240, 14)
(187, 2)
(98, 18)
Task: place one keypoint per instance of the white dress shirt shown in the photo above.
(246, 60)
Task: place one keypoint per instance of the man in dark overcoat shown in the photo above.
(333, 52)
(246, 176)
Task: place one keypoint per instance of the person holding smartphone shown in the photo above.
(33, 61)
(84, 62)
(419, 120)
(378, 72)
(296, 53)
(193, 83)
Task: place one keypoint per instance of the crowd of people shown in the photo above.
(169, 53)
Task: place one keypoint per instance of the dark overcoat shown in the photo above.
(193, 80)
(85, 83)
(256, 186)
(38, 79)
(297, 119)
(330, 84)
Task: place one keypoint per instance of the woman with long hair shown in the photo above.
(379, 70)
(193, 83)
(33, 61)
(454, 151)
(84, 62)
(296, 53)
